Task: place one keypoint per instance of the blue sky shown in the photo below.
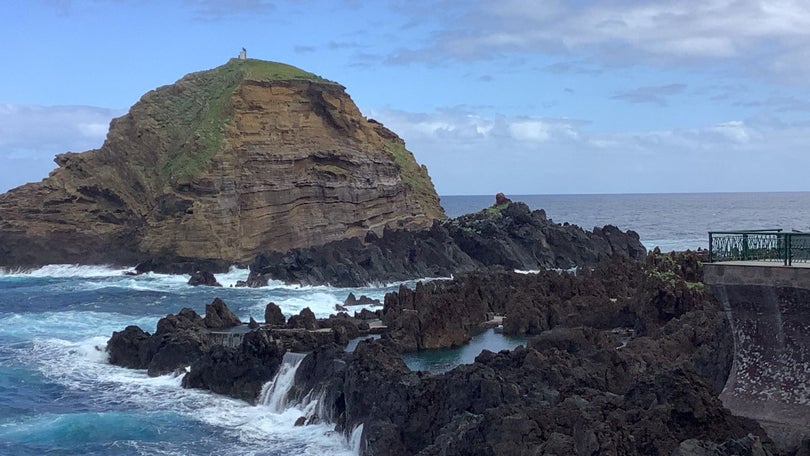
(518, 96)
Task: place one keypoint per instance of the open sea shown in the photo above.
(59, 396)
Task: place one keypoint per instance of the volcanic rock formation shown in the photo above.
(508, 235)
(249, 157)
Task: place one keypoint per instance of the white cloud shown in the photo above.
(30, 136)
(522, 155)
(770, 33)
(530, 130)
(734, 130)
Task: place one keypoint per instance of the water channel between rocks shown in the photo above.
(442, 360)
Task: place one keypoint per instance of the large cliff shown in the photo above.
(249, 157)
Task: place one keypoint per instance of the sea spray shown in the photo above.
(274, 393)
(356, 439)
(313, 407)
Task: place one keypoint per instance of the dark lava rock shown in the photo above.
(363, 300)
(126, 348)
(434, 314)
(365, 314)
(577, 397)
(178, 341)
(580, 387)
(396, 255)
(218, 316)
(304, 320)
(503, 236)
(203, 278)
(501, 199)
(302, 340)
(343, 323)
(749, 445)
(253, 324)
(273, 315)
(238, 372)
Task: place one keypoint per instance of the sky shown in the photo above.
(514, 96)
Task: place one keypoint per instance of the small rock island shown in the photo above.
(249, 157)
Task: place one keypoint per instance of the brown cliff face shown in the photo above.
(249, 157)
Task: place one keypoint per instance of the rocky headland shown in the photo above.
(249, 157)
(626, 357)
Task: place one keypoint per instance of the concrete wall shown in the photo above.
(769, 311)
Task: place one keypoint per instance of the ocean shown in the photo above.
(59, 396)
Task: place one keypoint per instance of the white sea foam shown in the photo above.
(321, 303)
(68, 325)
(233, 275)
(274, 393)
(65, 270)
(356, 439)
(81, 366)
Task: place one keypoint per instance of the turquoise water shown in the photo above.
(438, 361)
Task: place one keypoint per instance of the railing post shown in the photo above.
(745, 247)
(789, 248)
(710, 246)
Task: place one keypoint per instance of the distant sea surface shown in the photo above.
(671, 221)
(60, 396)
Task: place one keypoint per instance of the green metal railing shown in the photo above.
(774, 245)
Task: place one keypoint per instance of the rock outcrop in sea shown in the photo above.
(249, 157)
(507, 235)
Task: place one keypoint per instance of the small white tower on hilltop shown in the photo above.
(243, 54)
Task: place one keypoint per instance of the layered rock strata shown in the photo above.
(249, 157)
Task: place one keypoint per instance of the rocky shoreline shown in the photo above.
(627, 357)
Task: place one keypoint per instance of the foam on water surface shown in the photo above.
(129, 400)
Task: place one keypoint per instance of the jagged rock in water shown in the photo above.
(304, 320)
(249, 157)
(273, 315)
(363, 300)
(124, 348)
(218, 315)
(203, 278)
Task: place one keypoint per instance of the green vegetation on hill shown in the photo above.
(196, 113)
(415, 177)
(260, 70)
